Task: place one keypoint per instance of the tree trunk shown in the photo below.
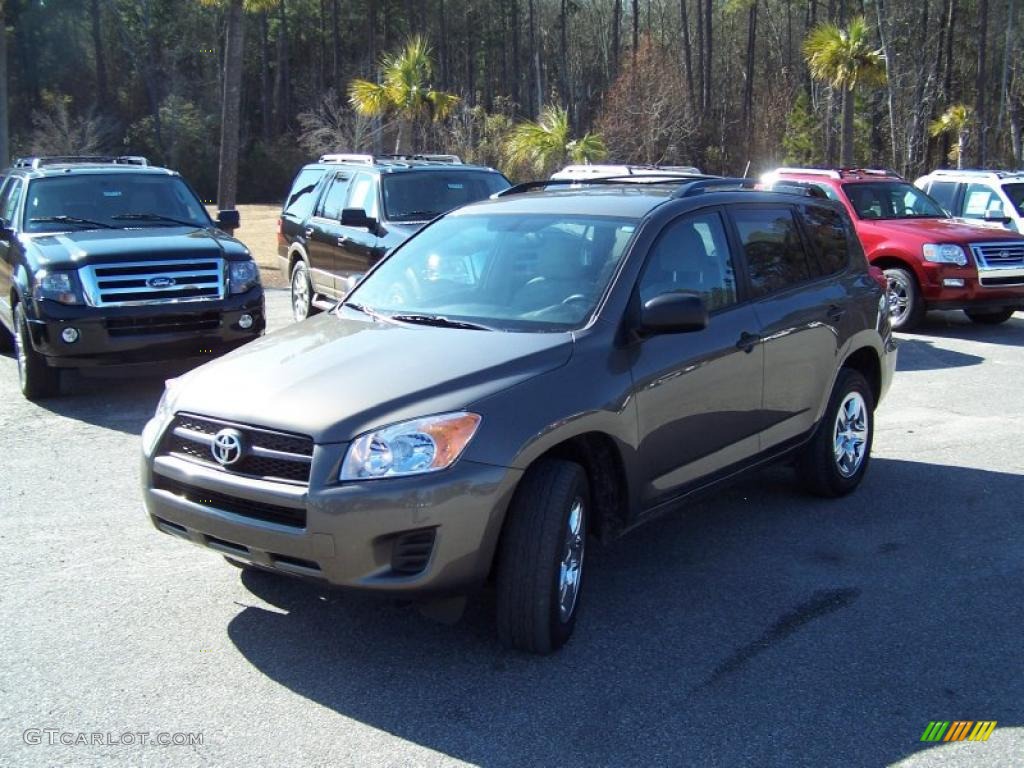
(848, 109)
(101, 60)
(5, 149)
(403, 141)
(283, 84)
(981, 82)
(267, 86)
(748, 86)
(636, 26)
(700, 52)
(517, 94)
(616, 34)
(227, 177)
(684, 23)
(335, 47)
(443, 48)
(708, 29)
(563, 54)
(1005, 79)
(961, 140)
(538, 89)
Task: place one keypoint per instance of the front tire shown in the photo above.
(36, 378)
(540, 566)
(989, 318)
(833, 463)
(906, 307)
(302, 292)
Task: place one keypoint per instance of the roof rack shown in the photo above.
(660, 178)
(977, 173)
(701, 186)
(605, 170)
(39, 162)
(376, 159)
(796, 188)
(837, 173)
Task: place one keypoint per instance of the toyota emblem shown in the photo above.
(227, 447)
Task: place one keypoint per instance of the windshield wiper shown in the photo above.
(365, 310)
(417, 215)
(70, 220)
(439, 321)
(154, 217)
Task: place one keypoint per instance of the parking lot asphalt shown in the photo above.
(760, 627)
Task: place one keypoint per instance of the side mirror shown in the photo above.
(229, 220)
(674, 313)
(997, 216)
(356, 217)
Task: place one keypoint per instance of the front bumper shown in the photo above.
(347, 535)
(974, 294)
(144, 333)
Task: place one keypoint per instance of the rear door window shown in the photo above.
(772, 247)
(363, 195)
(830, 239)
(334, 198)
(980, 199)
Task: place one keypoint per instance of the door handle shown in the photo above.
(835, 313)
(747, 342)
(342, 240)
(308, 231)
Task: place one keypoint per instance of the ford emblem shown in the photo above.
(160, 282)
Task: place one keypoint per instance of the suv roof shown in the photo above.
(973, 173)
(397, 163)
(836, 174)
(589, 171)
(53, 165)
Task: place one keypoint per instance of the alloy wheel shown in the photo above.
(571, 568)
(850, 436)
(899, 298)
(300, 294)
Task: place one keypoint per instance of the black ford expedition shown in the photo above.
(345, 212)
(107, 260)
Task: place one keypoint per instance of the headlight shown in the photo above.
(243, 275)
(164, 411)
(57, 286)
(410, 448)
(945, 254)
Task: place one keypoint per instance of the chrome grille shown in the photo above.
(154, 282)
(999, 263)
(1008, 254)
(267, 454)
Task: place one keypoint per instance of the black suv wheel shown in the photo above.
(36, 378)
(302, 292)
(989, 318)
(540, 569)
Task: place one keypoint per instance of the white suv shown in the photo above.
(994, 197)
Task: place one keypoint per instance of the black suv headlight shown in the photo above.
(243, 275)
(58, 286)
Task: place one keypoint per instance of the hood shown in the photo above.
(334, 377)
(70, 250)
(936, 230)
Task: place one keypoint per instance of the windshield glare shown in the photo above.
(103, 198)
(515, 273)
(891, 200)
(422, 196)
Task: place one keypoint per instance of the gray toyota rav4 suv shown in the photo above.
(564, 363)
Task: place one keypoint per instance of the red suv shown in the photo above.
(931, 261)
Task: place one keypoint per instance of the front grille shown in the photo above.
(996, 282)
(267, 454)
(1008, 254)
(270, 513)
(411, 551)
(149, 326)
(154, 282)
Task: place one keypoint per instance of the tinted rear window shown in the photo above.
(301, 199)
(829, 238)
(422, 196)
(772, 247)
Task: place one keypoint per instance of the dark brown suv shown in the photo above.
(565, 362)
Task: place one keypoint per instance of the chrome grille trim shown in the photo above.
(1000, 263)
(126, 283)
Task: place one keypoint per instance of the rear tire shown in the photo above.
(302, 292)
(833, 463)
(989, 318)
(36, 378)
(906, 307)
(540, 565)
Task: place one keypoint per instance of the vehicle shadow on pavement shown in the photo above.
(956, 325)
(764, 627)
(923, 355)
(123, 403)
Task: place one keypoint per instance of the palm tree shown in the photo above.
(548, 142)
(955, 121)
(404, 91)
(845, 59)
(227, 173)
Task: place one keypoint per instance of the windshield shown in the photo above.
(1016, 194)
(529, 272)
(891, 200)
(422, 196)
(97, 201)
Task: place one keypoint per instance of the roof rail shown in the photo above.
(809, 171)
(703, 185)
(870, 172)
(39, 162)
(795, 188)
(606, 170)
(654, 178)
(347, 158)
(975, 173)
